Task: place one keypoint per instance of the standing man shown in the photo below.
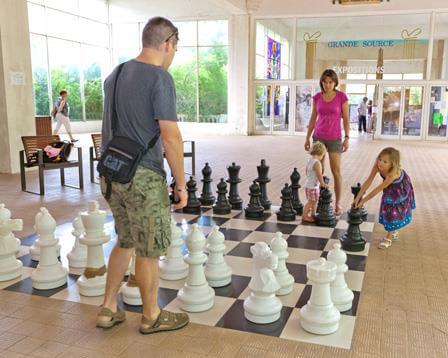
(146, 107)
(362, 115)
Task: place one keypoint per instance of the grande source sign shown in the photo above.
(363, 43)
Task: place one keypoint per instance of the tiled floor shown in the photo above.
(402, 309)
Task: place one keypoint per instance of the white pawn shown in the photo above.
(49, 273)
(77, 257)
(10, 267)
(262, 306)
(279, 247)
(319, 315)
(173, 266)
(93, 280)
(196, 295)
(217, 272)
(130, 291)
(341, 295)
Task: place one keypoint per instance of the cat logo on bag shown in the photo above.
(113, 163)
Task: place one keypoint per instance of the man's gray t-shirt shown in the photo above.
(145, 94)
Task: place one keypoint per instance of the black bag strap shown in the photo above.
(153, 140)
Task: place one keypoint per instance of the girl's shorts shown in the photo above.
(312, 194)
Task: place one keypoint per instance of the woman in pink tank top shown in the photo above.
(329, 106)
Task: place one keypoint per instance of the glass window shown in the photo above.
(62, 25)
(64, 68)
(40, 74)
(262, 108)
(413, 105)
(93, 9)
(212, 33)
(439, 68)
(125, 39)
(391, 110)
(273, 39)
(36, 18)
(184, 72)
(304, 102)
(355, 88)
(65, 5)
(438, 112)
(95, 33)
(187, 33)
(95, 67)
(386, 44)
(213, 84)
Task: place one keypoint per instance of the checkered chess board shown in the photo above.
(305, 242)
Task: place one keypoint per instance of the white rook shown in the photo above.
(10, 267)
(319, 315)
(93, 280)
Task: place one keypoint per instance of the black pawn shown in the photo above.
(319, 202)
(295, 186)
(355, 190)
(193, 204)
(222, 206)
(263, 180)
(352, 240)
(286, 212)
(254, 209)
(325, 214)
(234, 180)
(207, 198)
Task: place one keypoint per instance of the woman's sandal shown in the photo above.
(308, 219)
(167, 321)
(385, 243)
(116, 317)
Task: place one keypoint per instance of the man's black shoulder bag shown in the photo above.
(120, 159)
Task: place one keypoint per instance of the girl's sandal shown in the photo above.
(115, 317)
(395, 236)
(385, 243)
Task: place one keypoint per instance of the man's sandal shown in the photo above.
(167, 321)
(115, 317)
(385, 243)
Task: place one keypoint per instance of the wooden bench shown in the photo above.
(95, 154)
(32, 156)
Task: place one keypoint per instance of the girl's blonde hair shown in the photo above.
(394, 157)
(318, 148)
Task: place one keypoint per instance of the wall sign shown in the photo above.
(358, 69)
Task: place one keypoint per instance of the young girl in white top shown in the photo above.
(314, 180)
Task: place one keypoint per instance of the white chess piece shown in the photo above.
(77, 257)
(172, 266)
(35, 249)
(196, 295)
(49, 272)
(217, 272)
(341, 295)
(10, 267)
(93, 280)
(130, 291)
(279, 247)
(319, 315)
(262, 306)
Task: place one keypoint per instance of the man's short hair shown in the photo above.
(62, 92)
(157, 31)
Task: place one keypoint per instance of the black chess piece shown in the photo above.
(286, 212)
(295, 186)
(207, 198)
(263, 180)
(172, 190)
(254, 209)
(193, 204)
(355, 190)
(319, 202)
(325, 213)
(222, 206)
(234, 180)
(352, 240)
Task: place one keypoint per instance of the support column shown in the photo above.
(16, 83)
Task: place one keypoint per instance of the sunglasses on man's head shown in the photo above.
(175, 33)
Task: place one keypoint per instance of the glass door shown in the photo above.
(304, 105)
(263, 108)
(390, 119)
(438, 113)
(281, 117)
(412, 114)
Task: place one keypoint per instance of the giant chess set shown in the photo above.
(253, 267)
